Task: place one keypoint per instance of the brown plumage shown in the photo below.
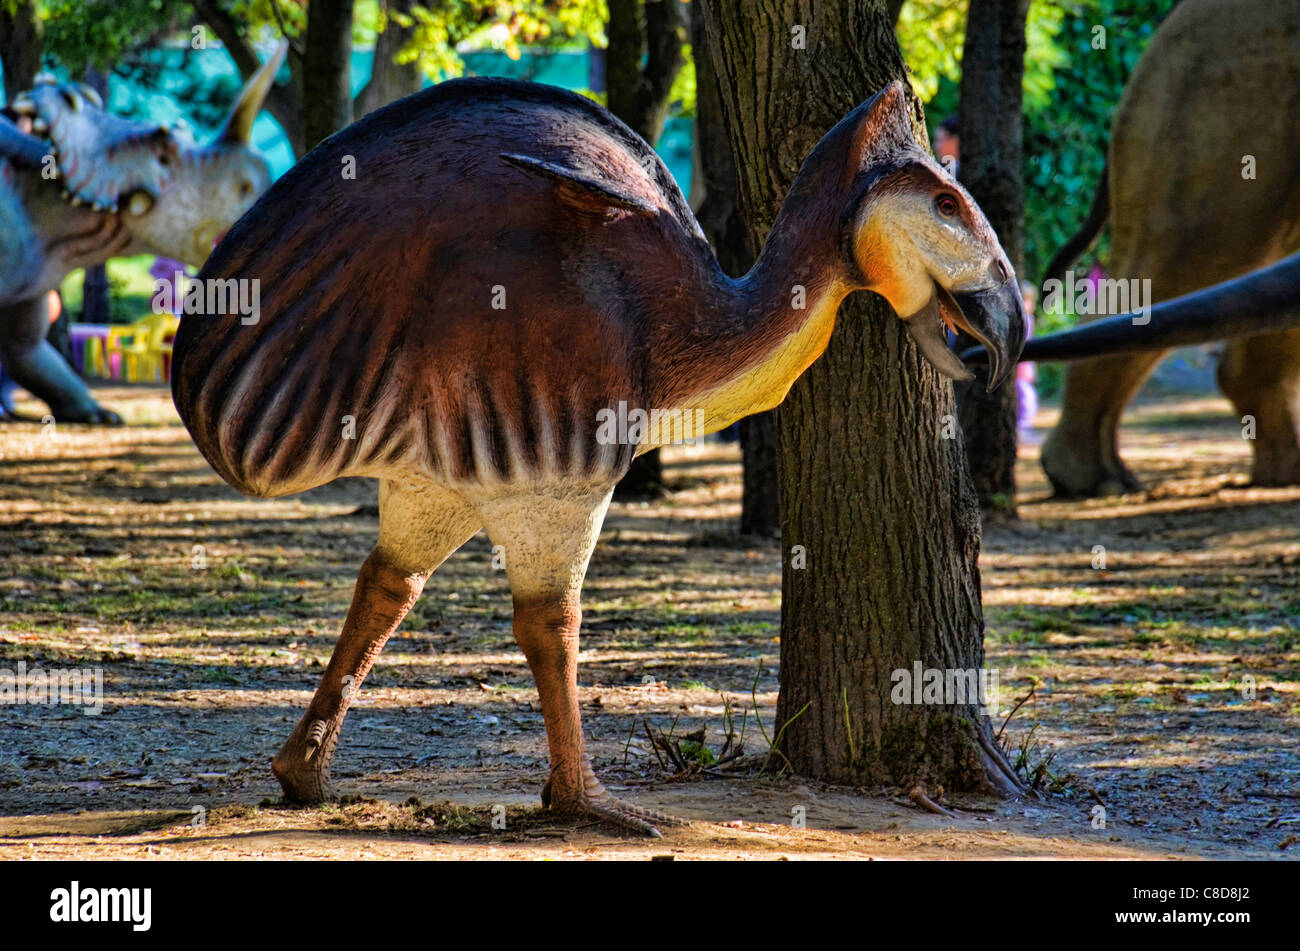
(510, 263)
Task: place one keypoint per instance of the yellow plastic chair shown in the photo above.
(140, 347)
(165, 334)
(96, 361)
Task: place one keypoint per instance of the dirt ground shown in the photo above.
(1164, 684)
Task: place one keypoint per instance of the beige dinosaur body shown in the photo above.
(1204, 186)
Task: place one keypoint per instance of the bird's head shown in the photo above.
(912, 234)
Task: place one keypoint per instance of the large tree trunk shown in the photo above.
(21, 43)
(327, 70)
(719, 216)
(878, 501)
(992, 140)
(639, 95)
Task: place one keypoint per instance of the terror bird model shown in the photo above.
(508, 264)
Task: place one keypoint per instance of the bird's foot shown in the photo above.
(590, 799)
(303, 764)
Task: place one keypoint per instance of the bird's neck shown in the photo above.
(773, 322)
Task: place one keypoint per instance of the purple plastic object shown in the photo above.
(80, 335)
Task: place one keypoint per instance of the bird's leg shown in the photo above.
(547, 632)
(419, 526)
(383, 595)
(547, 538)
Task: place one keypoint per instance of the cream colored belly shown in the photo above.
(764, 386)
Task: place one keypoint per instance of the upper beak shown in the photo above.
(995, 317)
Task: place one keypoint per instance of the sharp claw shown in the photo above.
(625, 815)
(315, 737)
(629, 817)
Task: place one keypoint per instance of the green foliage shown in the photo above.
(682, 95)
(82, 34)
(932, 34)
(437, 30)
(1066, 140)
(103, 33)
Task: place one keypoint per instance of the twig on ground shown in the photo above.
(919, 798)
(1020, 703)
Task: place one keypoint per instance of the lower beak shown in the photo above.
(996, 318)
(929, 331)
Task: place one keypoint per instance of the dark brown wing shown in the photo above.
(379, 258)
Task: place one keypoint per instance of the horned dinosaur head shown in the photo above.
(915, 236)
(176, 197)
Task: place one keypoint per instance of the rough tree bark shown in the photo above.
(21, 43)
(327, 70)
(719, 216)
(389, 80)
(992, 169)
(878, 501)
(652, 31)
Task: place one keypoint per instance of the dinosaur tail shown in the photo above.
(1264, 301)
(1086, 236)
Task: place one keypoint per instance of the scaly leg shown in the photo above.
(30, 360)
(547, 540)
(419, 526)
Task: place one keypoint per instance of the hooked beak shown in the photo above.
(995, 317)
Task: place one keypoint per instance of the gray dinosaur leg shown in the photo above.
(20, 258)
(30, 360)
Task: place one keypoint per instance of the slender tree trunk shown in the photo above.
(284, 102)
(653, 31)
(327, 70)
(22, 39)
(879, 522)
(96, 299)
(992, 145)
(390, 81)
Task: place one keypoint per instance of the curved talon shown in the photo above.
(315, 737)
(635, 818)
(608, 809)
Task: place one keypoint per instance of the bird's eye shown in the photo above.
(946, 205)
